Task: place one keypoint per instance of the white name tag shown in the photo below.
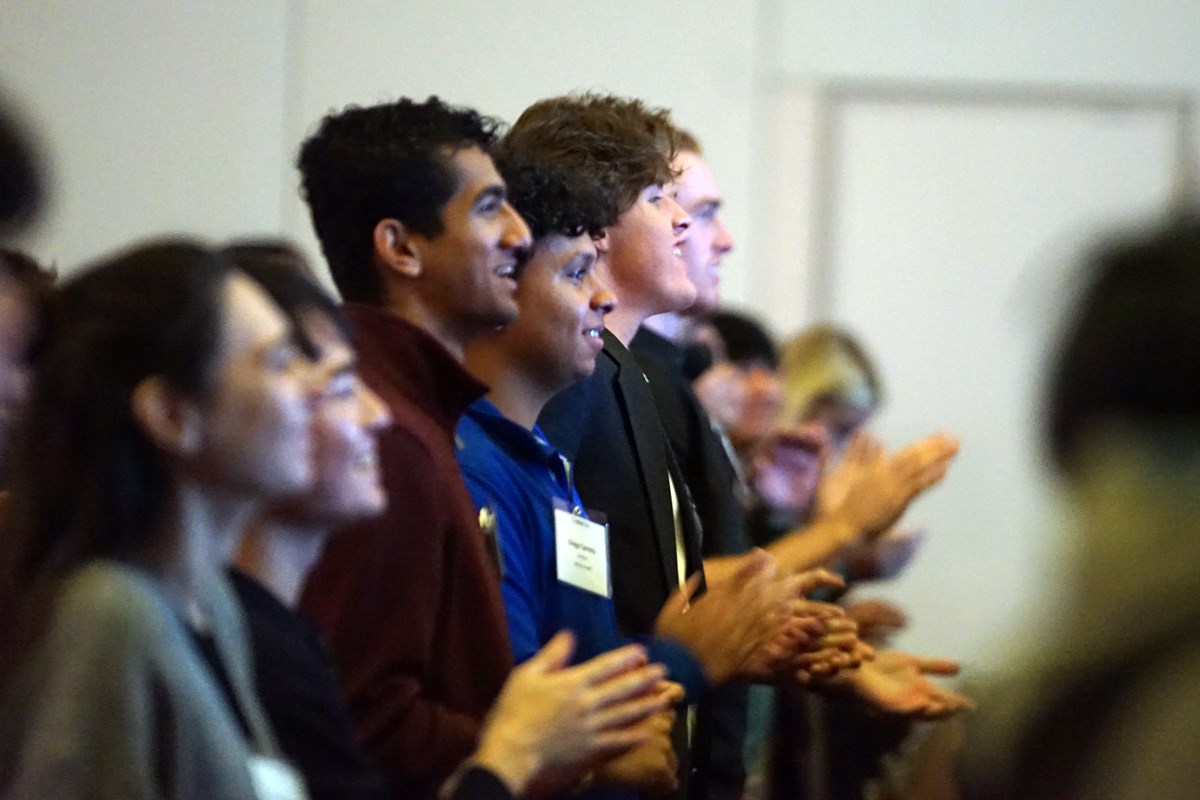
(275, 780)
(581, 549)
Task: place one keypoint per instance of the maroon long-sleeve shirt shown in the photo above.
(409, 602)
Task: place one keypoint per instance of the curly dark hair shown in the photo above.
(389, 161)
(576, 163)
(552, 197)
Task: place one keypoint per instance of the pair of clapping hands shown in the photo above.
(755, 623)
(556, 727)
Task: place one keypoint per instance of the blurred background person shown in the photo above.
(1110, 710)
(170, 408)
(830, 389)
(735, 363)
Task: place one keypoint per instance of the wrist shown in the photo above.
(843, 532)
(514, 766)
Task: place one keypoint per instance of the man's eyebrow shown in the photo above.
(495, 191)
(347, 367)
(579, 261)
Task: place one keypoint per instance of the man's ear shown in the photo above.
(602, 244)
(395, 248)
(170, 419)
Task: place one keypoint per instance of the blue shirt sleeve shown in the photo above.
(682, 666)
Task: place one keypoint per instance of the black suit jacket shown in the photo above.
(608, 426)
(705, 461)
(704, 458)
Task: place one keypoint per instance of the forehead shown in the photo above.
(555, 250)
(695, 184)
(325, 336)
(251, 319)
(473, 171)
(641, 208)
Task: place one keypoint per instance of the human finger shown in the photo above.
(625, 713)
(937, 666)
(681, 600)
(814, 579)
(554, 655)
(601, 668)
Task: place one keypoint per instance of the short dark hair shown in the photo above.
(389, 161)
(579, 161)
(282, 271)
(745, 338)
(1132, 347)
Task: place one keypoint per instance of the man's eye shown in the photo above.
(281, 358)
(340, 388)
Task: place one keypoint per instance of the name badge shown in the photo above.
(581, 550)
(275, 780)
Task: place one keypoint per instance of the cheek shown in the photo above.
(277, 425)
(332, 446)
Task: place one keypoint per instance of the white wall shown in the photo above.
(1123, 42)
(157, 116)
(870, 227)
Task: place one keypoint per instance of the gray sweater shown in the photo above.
(116, 701)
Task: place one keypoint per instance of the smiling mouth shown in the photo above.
(507, 271)
(593, 333)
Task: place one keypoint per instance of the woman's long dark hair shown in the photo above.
(88, 481)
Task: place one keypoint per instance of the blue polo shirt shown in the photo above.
(515, 477)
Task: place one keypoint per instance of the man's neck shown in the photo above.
(624, 322)
(668, 325)
(418, 315)
(517, 402)
(279, 554)
(519, 397)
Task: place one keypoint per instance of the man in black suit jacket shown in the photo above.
(623, 466)
(607, 425)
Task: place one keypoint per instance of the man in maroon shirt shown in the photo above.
(424, 248)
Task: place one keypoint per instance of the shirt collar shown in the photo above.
(529, 444)
(416, 363)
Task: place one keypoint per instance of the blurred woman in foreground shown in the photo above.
(172, 405)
